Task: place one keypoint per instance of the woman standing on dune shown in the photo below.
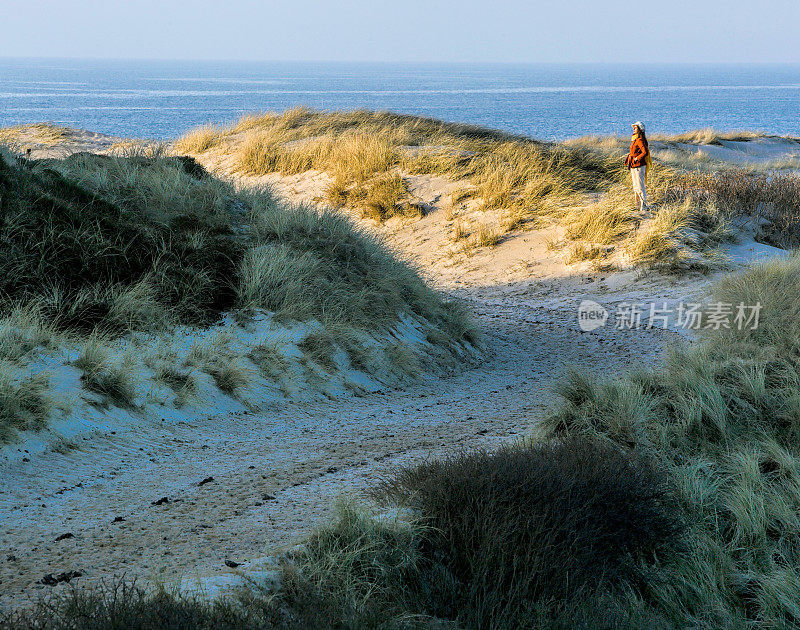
(638, 160)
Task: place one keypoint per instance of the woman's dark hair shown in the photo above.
(644, 138)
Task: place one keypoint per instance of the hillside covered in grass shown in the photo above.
(116, 272)
(362, 149)
(510, 184)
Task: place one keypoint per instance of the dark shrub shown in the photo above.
(537, 524)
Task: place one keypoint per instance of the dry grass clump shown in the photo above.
(659, 243)
(603, 223)
(25, 401)
(484, 236)
(354, 157)
(618, 145)
(722, 417)
(461, 195)
(198, 140)
(460, 231)
(356, 571)
(534, 176)
(126, 605)
(180, 380)
(112, 377)
(379, 198)
(207, 350)
(680, 237)
(269, 359)
(680, 231)
(581, 252)
(216, 356)
(515, 219)
(771, 196)
(404, 359)
(383, 197)
(474, 235)
(320, 349)
(23, 331)
(116, 382)
(229, 375)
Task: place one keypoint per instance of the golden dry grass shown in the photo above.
(198, 140)
(521, 176)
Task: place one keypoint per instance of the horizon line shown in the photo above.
(403, 61)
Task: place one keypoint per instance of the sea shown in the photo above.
(163, 99)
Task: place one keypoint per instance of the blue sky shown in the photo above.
(413, 30)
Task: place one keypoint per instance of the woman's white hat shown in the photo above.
(639, 124)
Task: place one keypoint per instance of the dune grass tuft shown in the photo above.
(182, 381)
(198, 140)
(537, 525)
(230, 376)
(112, 377)
(20, 137)
(320, 349)
(25, 402)
(269, 359)
(709, 136)
(23, 331)
(484, 236)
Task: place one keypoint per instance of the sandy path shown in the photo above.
(276, 474)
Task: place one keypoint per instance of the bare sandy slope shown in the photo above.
(276, 474)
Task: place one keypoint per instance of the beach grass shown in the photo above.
(364, 151)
